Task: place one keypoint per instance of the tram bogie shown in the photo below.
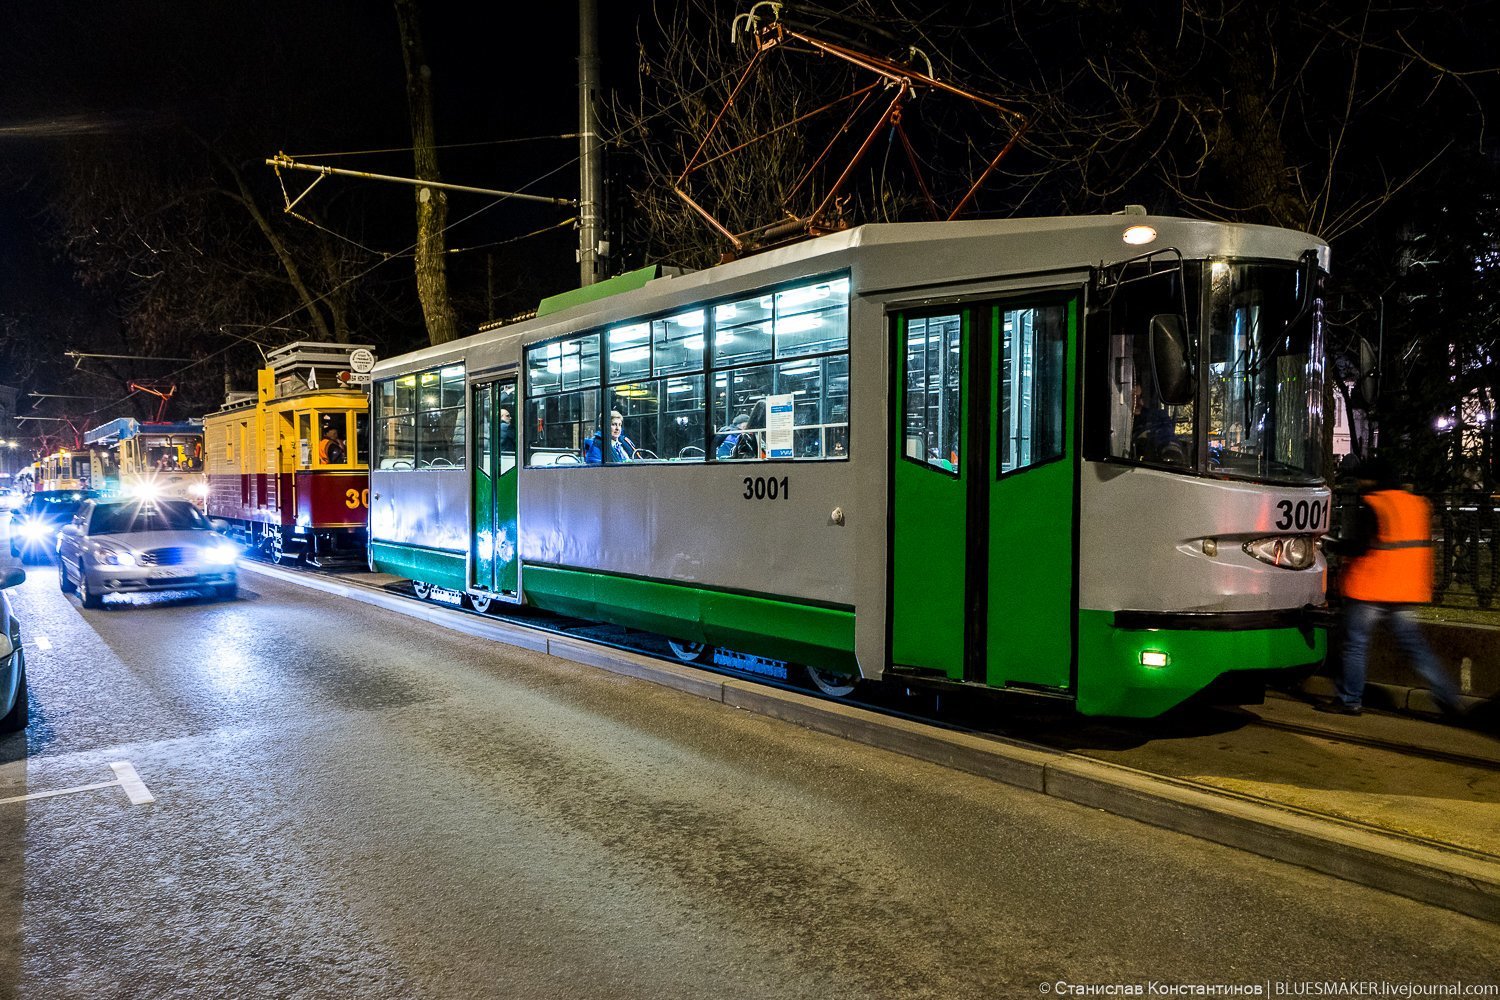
(1022, 456)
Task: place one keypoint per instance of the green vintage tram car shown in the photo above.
(1076, 457)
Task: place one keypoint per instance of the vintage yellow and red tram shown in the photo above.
(287, 464)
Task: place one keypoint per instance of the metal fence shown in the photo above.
(1465, 535)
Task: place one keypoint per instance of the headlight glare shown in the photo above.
(35, 531)
(1286, 551)
(114, 557)
(222, 554)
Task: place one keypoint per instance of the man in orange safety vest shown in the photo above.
(1387, 574)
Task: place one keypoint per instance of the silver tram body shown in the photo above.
(1122, 584)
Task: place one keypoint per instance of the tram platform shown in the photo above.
(1392, 798)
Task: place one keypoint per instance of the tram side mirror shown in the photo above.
(12, 576)
(1367, 386)
(1170, 360)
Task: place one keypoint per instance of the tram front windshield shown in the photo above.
(1249, 405)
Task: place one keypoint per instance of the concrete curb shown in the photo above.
(1451, 878)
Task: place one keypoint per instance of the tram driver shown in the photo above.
(1153, 436)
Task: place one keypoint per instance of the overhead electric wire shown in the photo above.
(352, 278)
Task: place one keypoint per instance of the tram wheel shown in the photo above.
(831, 684)
(687, 652)
(480, 602)
(276, 546)
(422, 590)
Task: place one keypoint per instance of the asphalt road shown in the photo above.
(351, 803)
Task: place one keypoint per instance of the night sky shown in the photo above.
(312, 79)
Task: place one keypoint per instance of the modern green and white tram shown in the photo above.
(1075, 457)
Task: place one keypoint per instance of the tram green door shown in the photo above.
(493, 555)
(983, 526)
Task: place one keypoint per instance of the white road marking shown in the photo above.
(42, 642)
(132, 783)
(125, 777)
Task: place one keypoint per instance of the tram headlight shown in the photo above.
(1286, 551)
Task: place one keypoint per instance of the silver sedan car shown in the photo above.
(129, 546)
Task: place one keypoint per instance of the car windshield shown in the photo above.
(63, 503)
(154, 515)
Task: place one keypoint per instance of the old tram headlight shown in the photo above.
(1286, 551)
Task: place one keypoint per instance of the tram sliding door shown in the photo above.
(984, 493)
(493, 556)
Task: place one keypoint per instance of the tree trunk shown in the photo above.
(283, 254)
(432, 204)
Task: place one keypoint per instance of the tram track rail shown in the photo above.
(1390, 746)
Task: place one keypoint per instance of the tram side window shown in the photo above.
(440, 419)
(304, 440)
(359, 447)
(773, 385)
(562, 406)
(932, 418)
(781, 378)
(396, 423)
(662, 414)
(1033, 345)
(1129, 418)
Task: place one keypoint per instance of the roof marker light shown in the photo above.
(1140, 235)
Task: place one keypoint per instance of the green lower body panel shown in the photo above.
(434, 566)
(1113, 681)
(760, 625)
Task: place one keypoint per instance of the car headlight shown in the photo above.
(35, 531)
(1286, 551)
(110, 556)
(222, 554)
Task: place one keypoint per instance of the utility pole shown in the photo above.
(590, 152)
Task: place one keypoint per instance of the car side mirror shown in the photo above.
(12, 576)
(1170, 362)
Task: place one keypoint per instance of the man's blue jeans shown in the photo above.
(1360, 619)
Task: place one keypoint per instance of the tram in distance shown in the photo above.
(286, 467)
(1077, 458)
(62, 470)
(147, 460)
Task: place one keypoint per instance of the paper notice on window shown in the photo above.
(779, 420)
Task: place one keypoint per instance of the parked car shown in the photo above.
(135, 545)
(13, 702)
(34, 525)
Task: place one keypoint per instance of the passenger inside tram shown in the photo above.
(620, 448)
(730, 435)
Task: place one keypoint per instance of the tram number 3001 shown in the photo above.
(1303, 515)
(766, 488)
